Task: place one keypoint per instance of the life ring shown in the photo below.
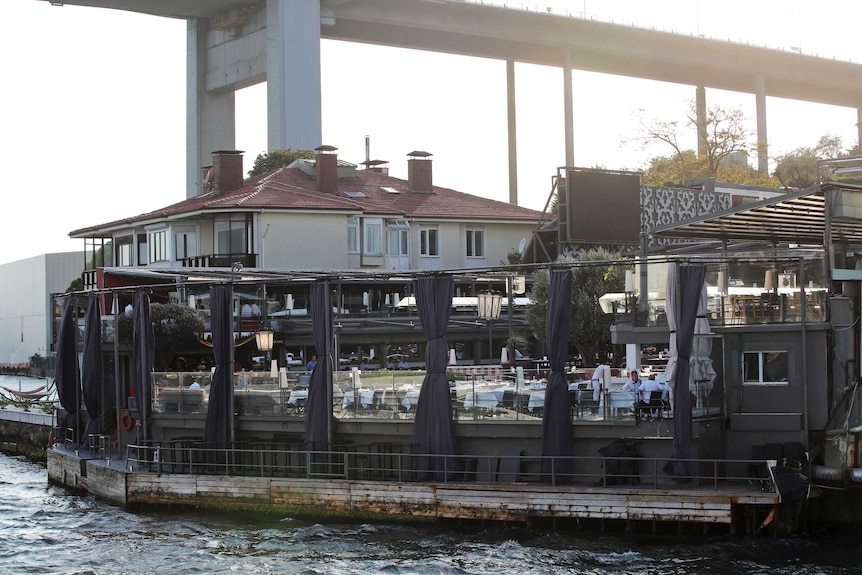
(126, 422)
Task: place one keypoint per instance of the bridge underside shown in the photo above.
(228, 49)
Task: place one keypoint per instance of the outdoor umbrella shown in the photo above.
(318, 408)
(671, 302)
(91, 368)
(219, 419)
(702, 368)
(143, 356)
(557, 438)
(691, 278)
(433, 430)
(68, 380)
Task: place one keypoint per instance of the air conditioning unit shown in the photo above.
(787, 281)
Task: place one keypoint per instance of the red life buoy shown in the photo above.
(126, 422)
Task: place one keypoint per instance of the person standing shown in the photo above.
(311, 363)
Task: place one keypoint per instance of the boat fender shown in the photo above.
(126, 422)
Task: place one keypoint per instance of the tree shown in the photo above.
(726, 135)
(674, 171)
(798, 169)
(175, 326)
(275, 159)
(594, 274)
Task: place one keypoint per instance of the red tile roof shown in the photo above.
(290, 188)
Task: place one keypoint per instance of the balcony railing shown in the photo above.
(220, 261)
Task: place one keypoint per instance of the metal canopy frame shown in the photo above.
(796, 217)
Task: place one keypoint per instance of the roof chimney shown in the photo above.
(378, 166)
(227, 171)
(419, 172)
(327, 169)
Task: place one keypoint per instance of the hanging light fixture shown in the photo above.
(263, 339)
(489, 306)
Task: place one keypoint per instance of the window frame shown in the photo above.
(158, 245)
(762, 359)
(426, 245)
(353, 234)
(183, 232)
(471, 235)
(372, 236)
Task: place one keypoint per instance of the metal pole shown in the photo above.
(510, 345)
(804, 338)
(232, 353)
(118, 390)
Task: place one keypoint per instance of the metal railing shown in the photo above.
(387, 394)
(396, 462)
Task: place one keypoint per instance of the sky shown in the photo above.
(92, 116)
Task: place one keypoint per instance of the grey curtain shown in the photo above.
(219, 419)
(691, 278)
(68, 378)
(91, 368)
(557, 439)
(143, 356)
(433, 430)
(318, 408)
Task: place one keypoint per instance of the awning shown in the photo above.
(795, 217)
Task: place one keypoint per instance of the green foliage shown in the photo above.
(76, 285)
(513, 258)
(594, 273)
(798, 169)
(726, 135)
(174, 326)
(277, 159)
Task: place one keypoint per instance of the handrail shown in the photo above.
(396, 462)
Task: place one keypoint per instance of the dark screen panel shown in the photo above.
(603, 206)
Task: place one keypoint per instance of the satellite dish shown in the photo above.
(522, 245)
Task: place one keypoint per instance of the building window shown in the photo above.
(372, 236)
(185, 244)
(475, 243)
(429, 243)
(143, 252)
(352, 234)
(158, 243)
(764, 368)
(398, 238)
(233, 234)
(125, 250)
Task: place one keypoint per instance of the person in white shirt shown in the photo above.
(650, 390)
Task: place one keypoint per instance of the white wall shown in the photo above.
(25, 308)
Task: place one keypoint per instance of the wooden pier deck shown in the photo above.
(735, 508)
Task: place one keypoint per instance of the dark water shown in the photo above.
(46, 530)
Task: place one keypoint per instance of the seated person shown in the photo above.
(650, 402)
(633, 385)
(403, 364)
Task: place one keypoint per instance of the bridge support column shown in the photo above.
(859, 127)
(211, 118)
(762, 147)
(700, 115)
(513, 135)
(293, 74)
(568, 110)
